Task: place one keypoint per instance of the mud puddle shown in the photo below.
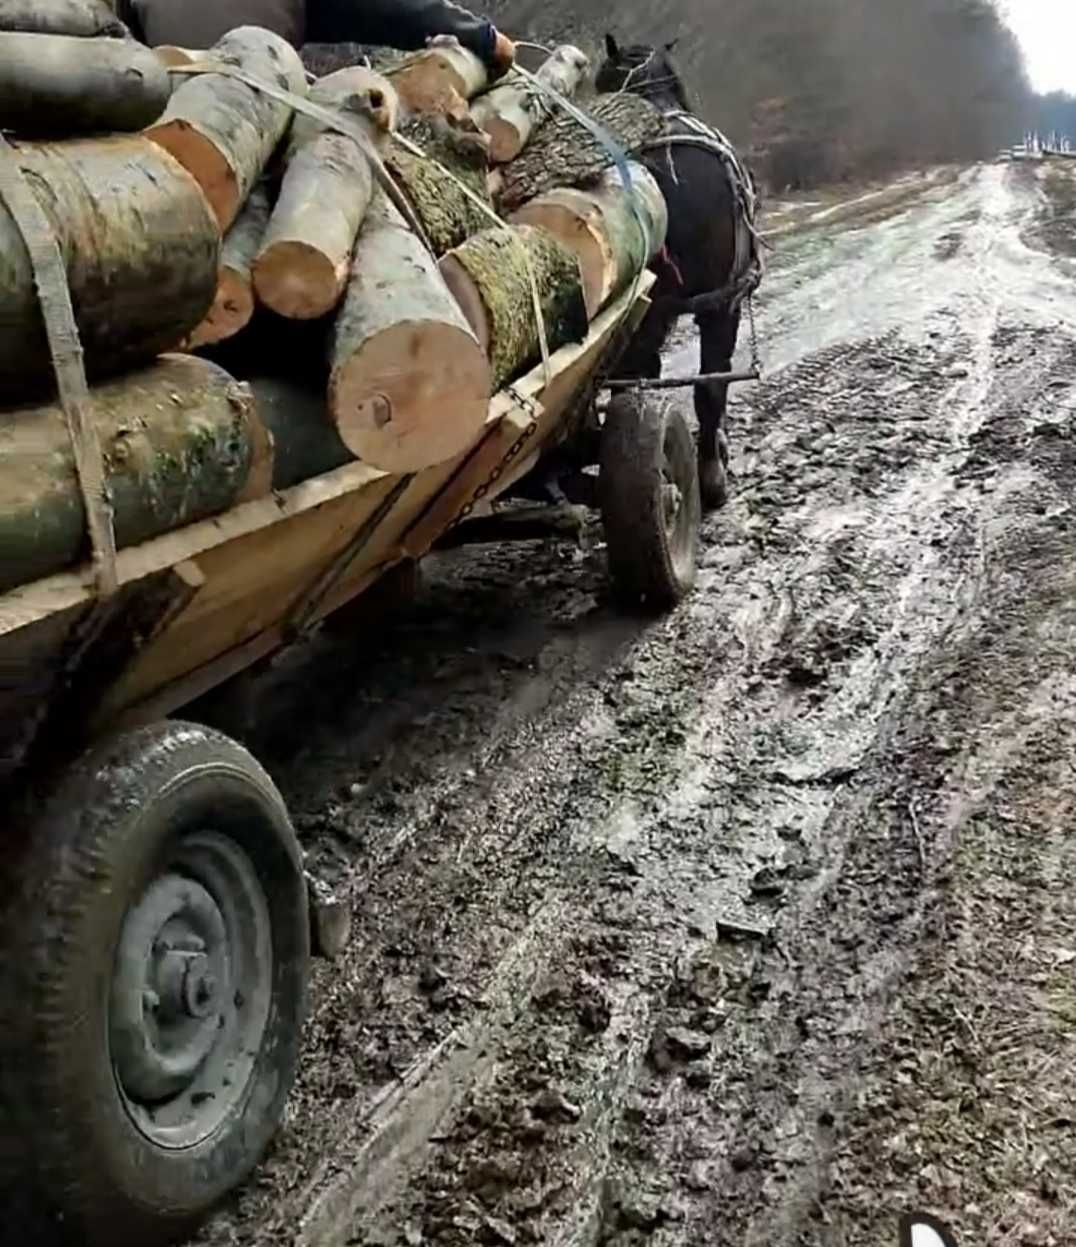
(741, 926)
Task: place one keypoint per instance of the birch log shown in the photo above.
(440, 79)
(302, 267)
(222, 131)
(83, 19)
(410, 384)
(233, 304)
(489, 277)
(177, 442)
(62, 86)
(612, 231)
(511, 113)
(142, 251)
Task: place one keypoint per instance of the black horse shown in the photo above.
(711, 261)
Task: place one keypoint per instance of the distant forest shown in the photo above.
(829, 89)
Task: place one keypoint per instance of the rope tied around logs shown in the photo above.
(65, 351)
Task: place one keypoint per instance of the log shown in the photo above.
(84, 19)
(410, 385)
(233, 303)
(224, 132)
(488, 275)
(302, 267)
(563, 153)
(306, 442)
(447, 214)
(62, 86)
(613, 233)
(176, 58)
(141, 247)
(177, 445)
(440, 79)
(511, 113)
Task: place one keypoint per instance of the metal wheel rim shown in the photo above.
(676, 509)
(191, 992)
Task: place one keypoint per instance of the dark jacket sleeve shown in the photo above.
(403, 24)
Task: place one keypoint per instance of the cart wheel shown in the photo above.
(649, 489)
(159, 967)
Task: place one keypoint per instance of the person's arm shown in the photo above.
(405, 24)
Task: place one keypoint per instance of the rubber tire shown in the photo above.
(638, 439)
(102, 835)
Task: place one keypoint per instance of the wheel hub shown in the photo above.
(190, 991)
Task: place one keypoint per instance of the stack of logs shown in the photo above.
(269, 284)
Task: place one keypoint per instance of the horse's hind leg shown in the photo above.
(642, 356)
(718, 332)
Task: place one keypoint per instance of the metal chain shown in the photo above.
(756, 354)
(510, 454)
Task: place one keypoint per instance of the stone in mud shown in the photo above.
(687, 1045)
(553, 1105)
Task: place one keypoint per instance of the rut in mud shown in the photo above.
(750, 925)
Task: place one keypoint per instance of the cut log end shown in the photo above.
(392, 399)
(205, 162)
(297, 280)
(233, 306)
(466, 294)
(576, 233)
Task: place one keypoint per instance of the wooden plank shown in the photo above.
(29, 603)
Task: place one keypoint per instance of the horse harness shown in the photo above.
(684, 129)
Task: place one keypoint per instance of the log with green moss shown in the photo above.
(564, 153)
(488, 274)
(141, 248)
(177, 440)
(447, 214)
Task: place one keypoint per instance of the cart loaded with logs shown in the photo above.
(263, 341)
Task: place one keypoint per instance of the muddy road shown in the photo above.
(753, 924)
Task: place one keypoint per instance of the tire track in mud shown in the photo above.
(633, 900)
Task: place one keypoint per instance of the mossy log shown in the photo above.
(83, 19)
(61, 86)
(613, 232)
(511, 113)
(222, 131)
(302, 267)
(410, 384)
(445, 211)
(306, 442)
(564, 153)
(233, 304)
(488, 274)
(177, 443)
(141, 248)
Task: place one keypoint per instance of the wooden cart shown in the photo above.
(155, 929)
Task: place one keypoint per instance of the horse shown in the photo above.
(711, 261)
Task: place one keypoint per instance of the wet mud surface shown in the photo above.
(752, 924)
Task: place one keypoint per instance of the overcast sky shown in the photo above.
(1047, 29)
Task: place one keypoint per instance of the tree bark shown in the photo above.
(439, 80)
(447, 214)
(306, 443)
(233, 304)
(62, 86)
(410, 384)
(82, 19)
(563, 153)
(489, 277)
(614, 233)
(302, 267)
(141, 248)
(177, 445)
(224, 132)
(511, 113)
